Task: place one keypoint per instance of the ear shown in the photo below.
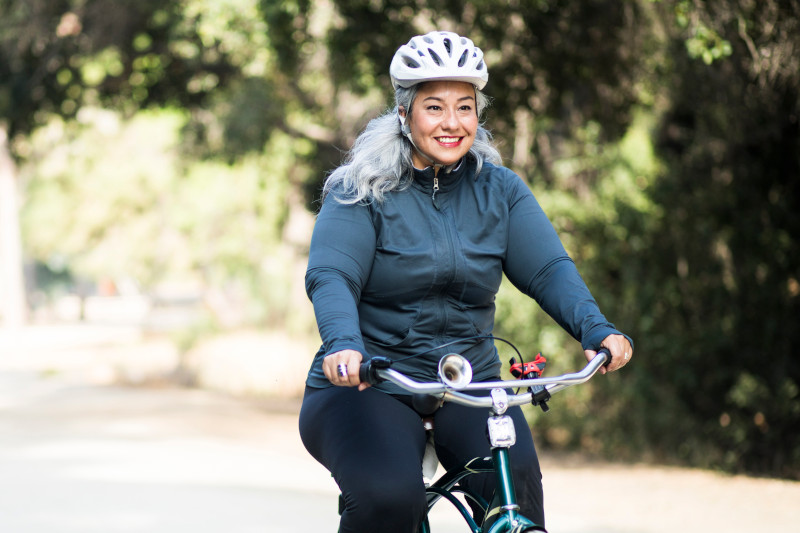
(401, 115)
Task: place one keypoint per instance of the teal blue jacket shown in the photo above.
(422, 268)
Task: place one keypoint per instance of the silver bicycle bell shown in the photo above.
(455, 371)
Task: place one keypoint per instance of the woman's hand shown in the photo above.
(621, 352)
(341, 368)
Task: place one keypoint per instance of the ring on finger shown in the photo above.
(342, 370)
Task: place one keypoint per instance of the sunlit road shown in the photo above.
(80, 454)
(82, 458)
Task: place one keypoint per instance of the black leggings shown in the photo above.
(373, 443)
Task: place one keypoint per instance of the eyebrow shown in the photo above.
(438, 99)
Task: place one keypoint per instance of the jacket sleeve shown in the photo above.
(339, 264)
(537, 264)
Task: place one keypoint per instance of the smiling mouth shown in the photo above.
(448, 140)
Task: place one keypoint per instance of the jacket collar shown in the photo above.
(423, 179)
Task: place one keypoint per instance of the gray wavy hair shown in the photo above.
(380, 160)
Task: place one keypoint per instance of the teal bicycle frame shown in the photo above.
(504, 505)
(501, 515)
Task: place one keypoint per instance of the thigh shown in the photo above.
(340, 425)
(460, 434)
(373, 445)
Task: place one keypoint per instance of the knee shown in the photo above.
(530, 472)
(387, 504)
(530, 495)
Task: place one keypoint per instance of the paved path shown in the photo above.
(81, 454)
(84, 458)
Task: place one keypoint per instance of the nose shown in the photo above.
(450, 120)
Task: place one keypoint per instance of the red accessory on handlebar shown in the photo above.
(528, 370)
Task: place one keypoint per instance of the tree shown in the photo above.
(553, 68)
(724, 254)
(57, 58)
(662, 138)
(12, 284)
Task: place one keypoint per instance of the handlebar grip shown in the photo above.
(368, 371)
(605, 351)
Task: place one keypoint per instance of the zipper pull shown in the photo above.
(435, 189)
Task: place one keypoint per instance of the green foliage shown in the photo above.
(661, 137)
(604, 228)
(707, 278)
(56, 57)
(729, 141)
(129, 205)
(703, 41)
(288, 23)
(105, 186)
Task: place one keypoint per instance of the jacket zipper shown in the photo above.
(451, 252)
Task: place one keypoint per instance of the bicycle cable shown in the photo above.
(459, 341)
(466, 339)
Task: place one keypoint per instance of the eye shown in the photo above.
(434, 107)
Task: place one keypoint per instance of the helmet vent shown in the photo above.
(449, 46)
(463, 59)
(436, 58)
(410, 63)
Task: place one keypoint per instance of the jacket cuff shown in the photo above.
(593, 340)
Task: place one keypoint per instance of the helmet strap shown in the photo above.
(404, 128)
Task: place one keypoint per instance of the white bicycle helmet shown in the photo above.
(438, 55)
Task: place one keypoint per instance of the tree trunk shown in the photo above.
(13, 308)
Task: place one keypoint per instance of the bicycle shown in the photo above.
(501, 515)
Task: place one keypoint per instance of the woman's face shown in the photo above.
(443, 122)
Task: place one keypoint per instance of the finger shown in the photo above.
(341, 368)
(590, 354)
(622, 357)
(342, 371)
(353, 368)
(627, 352)
(326, 369)
(335, 368)
(620, 349)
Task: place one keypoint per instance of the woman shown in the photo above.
(416, 230)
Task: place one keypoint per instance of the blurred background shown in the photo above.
(161, 164)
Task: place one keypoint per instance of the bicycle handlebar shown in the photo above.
(378, 369)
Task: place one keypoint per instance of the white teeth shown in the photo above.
(448, 139)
